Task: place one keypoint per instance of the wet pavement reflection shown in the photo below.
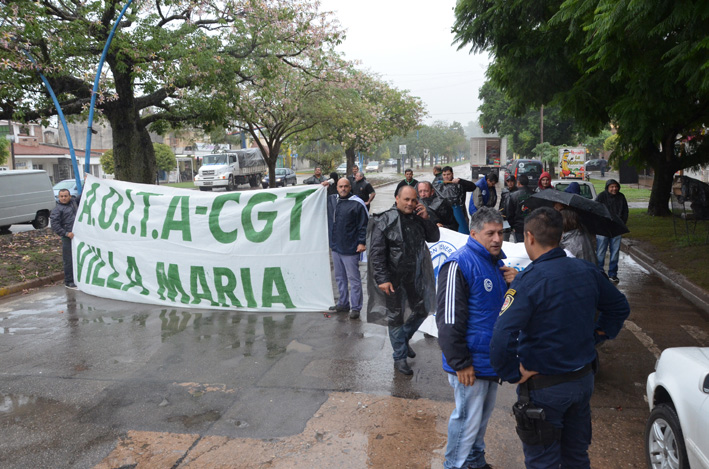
(85, 377)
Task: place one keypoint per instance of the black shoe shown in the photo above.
(354, 314)
(410, 352)
(339, 309)
(403, 367)
(71, 285)
(614, 280)
(486, 466)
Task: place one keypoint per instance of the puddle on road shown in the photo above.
(23, 407)
(191, 421)
(16, 330)
(13, 403)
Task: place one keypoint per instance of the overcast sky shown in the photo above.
(408, 42)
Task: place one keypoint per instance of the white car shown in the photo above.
(342, 169)
(372, 167)
(677, 432)
(587, 189)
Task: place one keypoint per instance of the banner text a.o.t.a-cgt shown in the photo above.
(255, 250)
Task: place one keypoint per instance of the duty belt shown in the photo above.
(545, 381)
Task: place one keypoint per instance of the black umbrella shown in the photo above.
(594, 215)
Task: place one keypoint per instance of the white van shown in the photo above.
(26, 196)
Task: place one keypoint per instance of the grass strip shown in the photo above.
(686, 254)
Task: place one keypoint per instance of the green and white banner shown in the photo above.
(255, 250)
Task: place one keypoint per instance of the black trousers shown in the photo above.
(67, 259)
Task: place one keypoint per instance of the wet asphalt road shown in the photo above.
(79, 372)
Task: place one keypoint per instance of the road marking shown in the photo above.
(644, 339)
(697, 334)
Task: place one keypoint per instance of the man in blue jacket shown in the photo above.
(471, 287)
(485, 194)
(62, 219)
(545, 340)
(347, 218)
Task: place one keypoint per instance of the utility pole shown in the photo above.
(542, 124)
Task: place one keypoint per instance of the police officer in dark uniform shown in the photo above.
(545, 338)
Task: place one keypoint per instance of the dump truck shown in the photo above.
(231, 168)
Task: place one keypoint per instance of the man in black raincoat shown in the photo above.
(401, 285)
(454, 189)
(439, 210)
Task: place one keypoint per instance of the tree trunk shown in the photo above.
(350, 155)
(273, 150)
(664, 164)
(133, 154)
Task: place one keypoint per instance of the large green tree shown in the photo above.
(168, 65)
(626, 62)
(363, 111)
(524, 131)
(285, 100)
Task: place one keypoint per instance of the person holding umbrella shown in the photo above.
(593, 215)
(575, 239)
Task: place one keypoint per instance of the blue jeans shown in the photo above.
(347, 272)
(566, 406)
(603, 243)
(462, 218)
(67, 260)
(400, 335)
(468, 422)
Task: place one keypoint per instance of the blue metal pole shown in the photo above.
(60, 114)
(89, 130)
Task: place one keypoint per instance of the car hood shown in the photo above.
(696, 354)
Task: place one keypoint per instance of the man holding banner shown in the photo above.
(401, 286)
(347, 218)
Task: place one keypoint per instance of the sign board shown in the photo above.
(571, 162)
(402, 149)
(254, 250)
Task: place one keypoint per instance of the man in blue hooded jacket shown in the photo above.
(471, 287)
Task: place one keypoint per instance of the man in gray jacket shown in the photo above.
(62, 219)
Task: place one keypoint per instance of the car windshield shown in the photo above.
(67, 184)
(585, 190)
(215, 159)
(281, 171)
(527, 168)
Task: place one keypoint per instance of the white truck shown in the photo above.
(487, 154)
(571, 162)
(231, 168)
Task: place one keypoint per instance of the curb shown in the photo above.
(38, 282)
(696, 295)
